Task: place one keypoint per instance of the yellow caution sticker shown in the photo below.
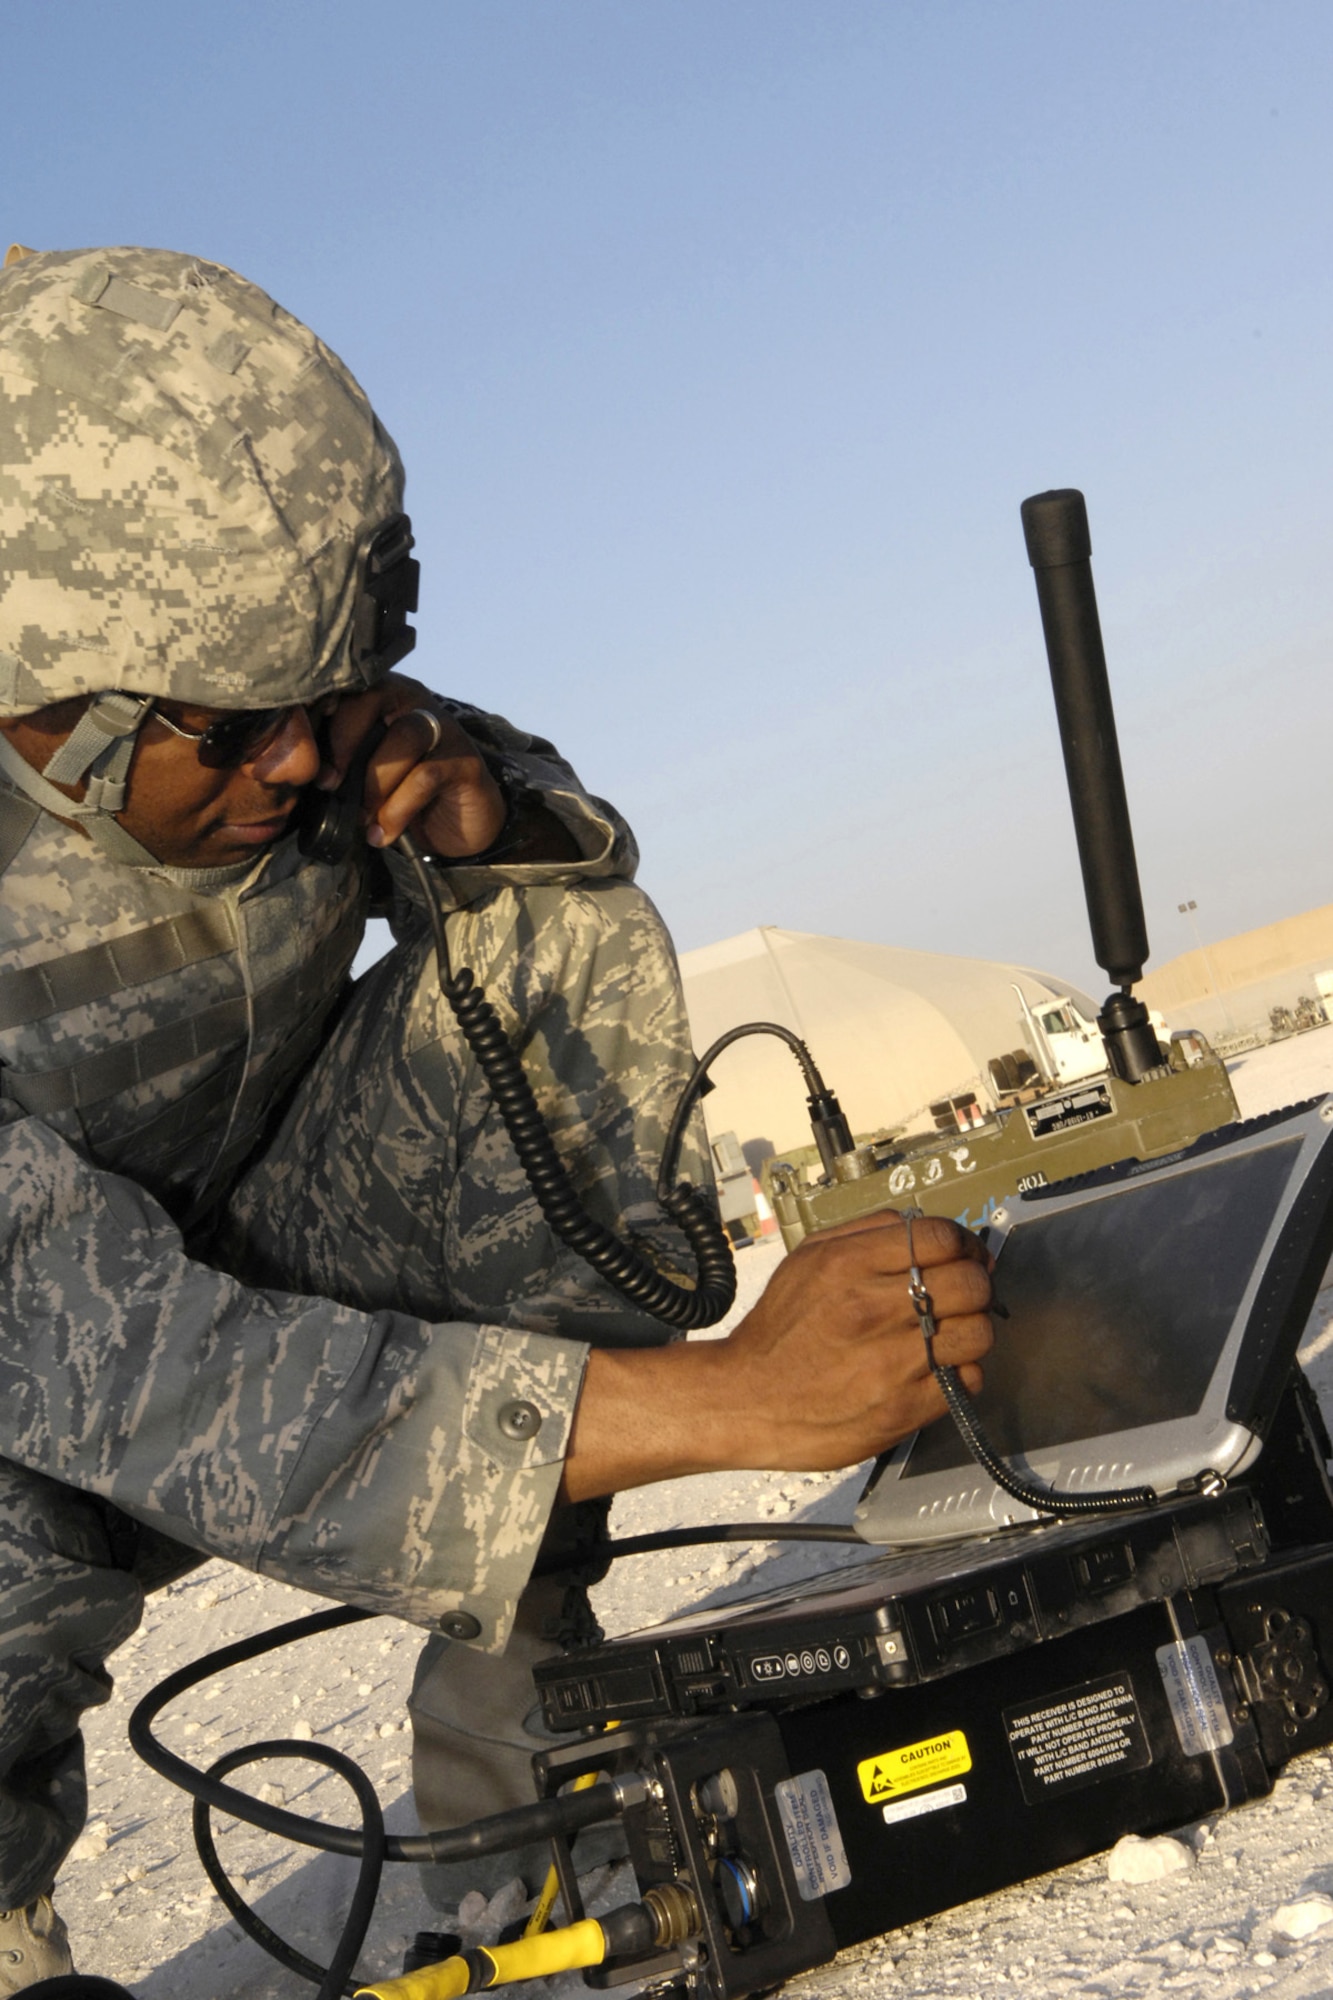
(897, 1772)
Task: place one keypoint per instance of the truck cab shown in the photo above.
(1065, 1045)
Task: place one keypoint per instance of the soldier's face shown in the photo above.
(192, 816)
(183, 811)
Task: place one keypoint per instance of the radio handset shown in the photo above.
(327, 823)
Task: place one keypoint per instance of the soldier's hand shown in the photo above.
(441, 789)
(832, 1361)
(829, 1368)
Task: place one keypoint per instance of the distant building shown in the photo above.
(891, 1030)
(1235, 983)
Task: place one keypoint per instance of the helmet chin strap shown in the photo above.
(99, 747)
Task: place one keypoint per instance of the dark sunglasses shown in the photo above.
(240, 735)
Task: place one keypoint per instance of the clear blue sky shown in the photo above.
(722, 339)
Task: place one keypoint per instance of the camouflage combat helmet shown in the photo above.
(196, 500)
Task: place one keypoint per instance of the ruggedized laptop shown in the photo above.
(1154, 1310)
(904, 1618)
(1154, 1315)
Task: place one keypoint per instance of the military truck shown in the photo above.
(1062, 1045)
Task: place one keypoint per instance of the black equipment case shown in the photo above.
(1031, 1706)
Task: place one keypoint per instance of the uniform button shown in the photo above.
(519, 1420)
(460, 1625)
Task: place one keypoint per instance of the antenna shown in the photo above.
(1055, 527)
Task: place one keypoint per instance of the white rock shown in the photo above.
(508, 1902)
(472, 1911)
(1303, 1919)
(302, 1731)
(387, 1729)
(1134, 1859)
(89, 1845)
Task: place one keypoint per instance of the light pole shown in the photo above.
(1190, 910)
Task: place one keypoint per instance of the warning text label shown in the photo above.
(897, 1772)
(1077, 1737)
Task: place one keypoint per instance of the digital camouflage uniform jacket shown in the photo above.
(150, 1021)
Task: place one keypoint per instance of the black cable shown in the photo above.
(632, 1274)
(731, 1531)
(814, 1084)
(336, 1978)
(832, 1133)
(1041, 1499)
(493, 1835)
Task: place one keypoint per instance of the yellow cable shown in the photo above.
(555, 1951)
(541, 1915)
(530, 1958)
(445, 1981)
(441, 1982)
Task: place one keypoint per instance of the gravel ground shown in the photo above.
(141, 1911)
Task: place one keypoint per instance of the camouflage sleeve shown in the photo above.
(606, 845)
(374, 1457)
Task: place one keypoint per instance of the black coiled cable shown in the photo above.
(632, 1274)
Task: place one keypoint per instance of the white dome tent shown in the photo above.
(891, 1030)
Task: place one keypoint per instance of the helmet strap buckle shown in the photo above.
(100, 746)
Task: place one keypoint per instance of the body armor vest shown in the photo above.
(153, 1018)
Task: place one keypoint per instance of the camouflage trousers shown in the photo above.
(389, 1181)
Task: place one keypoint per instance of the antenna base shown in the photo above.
(1132, 1049)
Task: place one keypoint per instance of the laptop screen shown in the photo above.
(1118, 1308)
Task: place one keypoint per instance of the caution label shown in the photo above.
(916, 1765)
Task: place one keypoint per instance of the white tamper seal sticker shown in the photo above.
(1198, 1706)
(814, 1842)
